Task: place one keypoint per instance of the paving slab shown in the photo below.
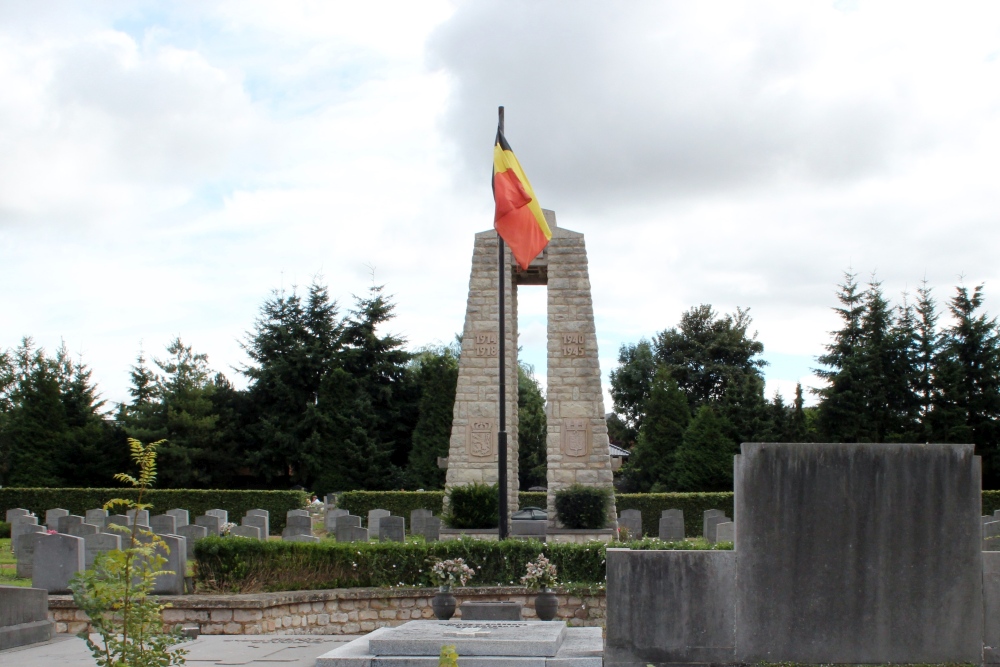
(208, 650)
(486, 638)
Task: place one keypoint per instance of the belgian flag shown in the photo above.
(518, 219)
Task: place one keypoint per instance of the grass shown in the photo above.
(8, 566)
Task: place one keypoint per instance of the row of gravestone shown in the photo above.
(382, 525)
(716, 526)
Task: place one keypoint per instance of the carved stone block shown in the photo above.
(482, 440)
(576, 437)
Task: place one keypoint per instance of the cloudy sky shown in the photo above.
(165, 166)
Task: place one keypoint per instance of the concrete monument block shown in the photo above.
(391, 529)
(300, 538)
(52, 517)
(670, 607)
(330, 521)
(252, 532)
(96, 517)
(24, 618)
(181, 516)
(192, 533)
(672, 525)
(83, 529)
(58, 558)
(259, 522)
(25, 553)
(171, 582)
(163, 524)
(893, 573)
(98, 543)
(344, 526)
(211, 522)
(631, 520)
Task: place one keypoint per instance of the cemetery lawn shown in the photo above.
(8, 577)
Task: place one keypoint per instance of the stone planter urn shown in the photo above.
(444, 604)
(546, 605)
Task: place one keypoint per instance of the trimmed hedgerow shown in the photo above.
(195, 501)
(580, 507)
(473, 506)
(401, 503)
(4, 530)
(248, 566)
(991, 502)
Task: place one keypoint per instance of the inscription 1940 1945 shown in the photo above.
(574, 345)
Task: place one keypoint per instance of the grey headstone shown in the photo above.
(15, 512)
(330, 522)
(858, 553)
(58, 558)
(117, 520)
(672, 525)
(291, 513)
(725, 532)
(99, 543)
(96, 517)
(373, 519)
(432, 528)
(261, 523)
(996, 514)
(52, 517)
(344, 526)
(211, 522)
(222, 514)
(64, 523)
(710, 520)
(21, 526)
(245, 531)
(143, 515)
(417, 520)
(631, 520)
(259, 512)
(163, 524)
(357, 534)
(24, 619)
(298, 525)
(25, 553)
(991, 536)
(192, 533)
(176, 555)
(83, 529)
(330, 499)
(181, 516)
(392, 529)
(300, 538)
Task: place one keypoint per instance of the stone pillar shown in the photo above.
(577, 442)
(472, 454)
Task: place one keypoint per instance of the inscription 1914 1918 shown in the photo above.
(574, 345)
(486, 345)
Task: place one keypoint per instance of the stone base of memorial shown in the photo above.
(24, 617)
(478, 644)
(470, 533)
(565, 535)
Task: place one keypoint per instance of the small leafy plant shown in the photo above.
(451, 572)
(449, 656)
(542, 574)
(117, 594)
(580, 507)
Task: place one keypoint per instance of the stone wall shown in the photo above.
(333, 612)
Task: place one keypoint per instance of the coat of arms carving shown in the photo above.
(481, 438)
(575, 441)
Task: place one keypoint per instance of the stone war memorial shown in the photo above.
(577, 438)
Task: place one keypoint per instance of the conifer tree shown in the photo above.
(630, 385)
(704, 461)
(651, 463)
(531, 430)
(842, 401)
(926, 343)
(798, 430)
(436, 374)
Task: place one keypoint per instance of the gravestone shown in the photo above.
(252, 532)
(222, 514)
(117, 520)
(97, 517)
(259, 512)
(211, 522)
(358, 534)
(143, 515)
(344, 526)
(24, 619)
(330, 521)
(291, 513)
(192, 533)
(259, 522)
(52, 517)
(991, 536)
(373, 519)
(391, 529)
(417, 518)
(672, 525)
(99, 543)
(298, 525)
(58, 558)
(64, 523)
(83, 529)
(631, 520)
(23, 525)
(181, 516)
(25, 553)
(725, 532)
(300, 538)
(996, 514)
(163, 524)
(432, 528)
(176, 555)
(711, 519)
(16, 512)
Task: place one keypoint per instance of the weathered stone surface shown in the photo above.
(163, 524)
(631, 520)
(16, 512)
(252, 532)
(344, 526)
(83, 529)
(22, 525)
(117, 520)
(710, 520)
(491, 611)
(181, 516)
(671, 525)
(58, 558)
(176, 565)
(25, 554)
(222, 514)
(98, 543)
(301, 538)
(373, 519)
(476, 638)
(991, 607)
(417, 518)
(24, 617)
(64, 523)
(192, 533)
(528, 528)
(96, 517)
(291, 513)
(431, 528)
(210, 522)
(991, 536)
(330, 520)
(725, 532)
(891, 574)
(52, 517)
(670, 607)
(260, 522)
(391, 529)
(298, 525)
(143, 515)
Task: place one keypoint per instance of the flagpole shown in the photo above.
(501, 339)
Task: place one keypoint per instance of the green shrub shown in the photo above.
(249, 566)
(473, 506)
(582, 507)
(4, 530)
(195, 501)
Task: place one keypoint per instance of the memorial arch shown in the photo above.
(577, 449)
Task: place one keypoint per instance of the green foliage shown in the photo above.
(4, 530)
(651, 464)
(196, 501)
(473, 506)
(704, 461)
(116, 595)
(436, 375)
(692, 504)
(631, 382)
(401, 503)
(531, 430)
(449, 656)
(582, 507)
(248, 566)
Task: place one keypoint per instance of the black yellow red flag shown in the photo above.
(518, 219)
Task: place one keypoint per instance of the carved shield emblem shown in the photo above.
(575, 437)
(481, 439)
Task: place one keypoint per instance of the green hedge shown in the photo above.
(991, 502)
(400, 503)
(195, 501)
(247, 566)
